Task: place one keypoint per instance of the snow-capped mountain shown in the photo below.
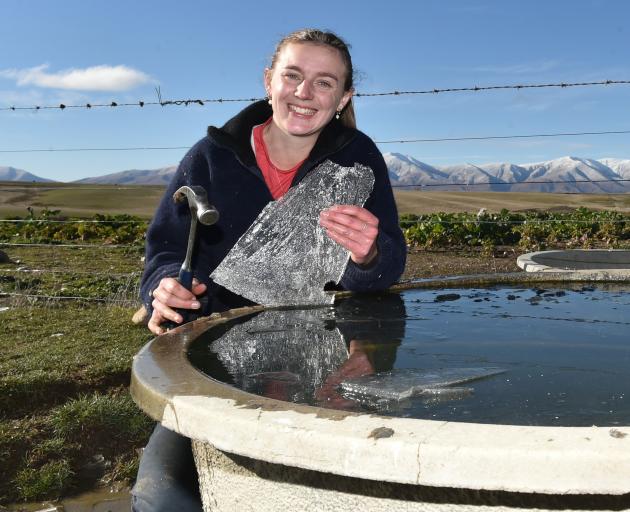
(621, 167)
(568, 174)
(562, 175)
(160, 176)
(13, 174)
(406, 170)
(576, 175)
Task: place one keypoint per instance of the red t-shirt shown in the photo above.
(278, 180)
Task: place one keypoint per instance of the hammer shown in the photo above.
(200, 211)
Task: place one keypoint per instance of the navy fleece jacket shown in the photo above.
(224, 164)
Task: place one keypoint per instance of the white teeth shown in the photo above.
(301, 110)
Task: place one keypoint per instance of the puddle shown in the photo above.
(101, 500)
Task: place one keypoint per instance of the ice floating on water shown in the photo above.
(403, 384)
(285, 257)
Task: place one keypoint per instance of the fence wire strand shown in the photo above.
(202, 102)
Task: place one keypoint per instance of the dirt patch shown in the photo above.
(425, 263)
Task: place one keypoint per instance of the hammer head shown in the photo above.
(198, 203)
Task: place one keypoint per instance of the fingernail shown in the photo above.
(325, 213)
(195, 305)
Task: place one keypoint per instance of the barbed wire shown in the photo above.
(202, 102)
(434, 222)
(493, 183)
(77, 246)
(78, 221)
(58, 150)
(493, 137)
(63, 297)
(135, 273)
(394, 141)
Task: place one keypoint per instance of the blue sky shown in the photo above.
(80, 51)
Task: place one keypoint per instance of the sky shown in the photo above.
(88, 51)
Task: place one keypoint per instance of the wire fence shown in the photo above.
(66, 271)
(395, 141)
(202, 102)
(72, 246)
(37, 297)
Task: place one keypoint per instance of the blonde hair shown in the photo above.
(332, 40)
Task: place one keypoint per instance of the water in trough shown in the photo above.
(504, 354)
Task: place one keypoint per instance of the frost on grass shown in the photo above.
(285, 257)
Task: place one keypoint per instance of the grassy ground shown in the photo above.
(67, 421)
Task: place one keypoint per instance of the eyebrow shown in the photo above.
(329, 75)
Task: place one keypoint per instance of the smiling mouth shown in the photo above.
(302, 110)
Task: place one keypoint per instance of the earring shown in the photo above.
(338, 114)
(269, 100)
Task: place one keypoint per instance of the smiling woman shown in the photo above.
(257, 157)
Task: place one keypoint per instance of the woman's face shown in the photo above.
(306, 87)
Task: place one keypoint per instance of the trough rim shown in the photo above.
(514, 458)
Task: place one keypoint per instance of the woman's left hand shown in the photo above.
(354, 228)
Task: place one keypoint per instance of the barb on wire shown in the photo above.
(202, 102)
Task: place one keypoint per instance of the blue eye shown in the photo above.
(292, 76)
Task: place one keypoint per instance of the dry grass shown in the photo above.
(418, 202)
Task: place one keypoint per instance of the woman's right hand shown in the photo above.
(170, 294)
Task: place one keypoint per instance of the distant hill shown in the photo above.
(160, 176)
(568, 174)
(13, 174)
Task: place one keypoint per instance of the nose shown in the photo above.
(303, 90)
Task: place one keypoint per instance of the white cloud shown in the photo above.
(95, 78)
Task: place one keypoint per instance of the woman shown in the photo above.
(253, 159)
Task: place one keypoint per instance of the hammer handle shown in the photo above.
(185, 278)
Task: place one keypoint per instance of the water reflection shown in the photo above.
(303, 355)
(565, 354)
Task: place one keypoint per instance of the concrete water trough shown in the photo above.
(615, 261)
(259, 453)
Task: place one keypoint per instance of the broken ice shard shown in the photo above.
(403, 384)
(285, 257)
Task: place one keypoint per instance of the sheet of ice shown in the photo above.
(406, 383)
(285, 257)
